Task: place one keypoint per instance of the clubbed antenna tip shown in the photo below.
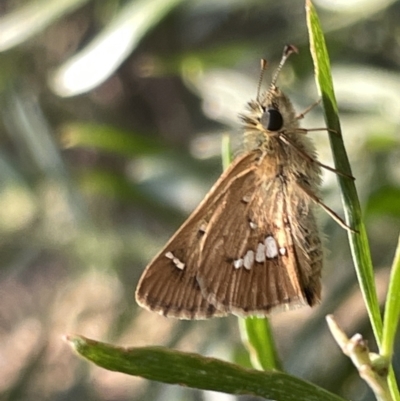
(287, 51)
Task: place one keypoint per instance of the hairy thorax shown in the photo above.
(271, 126)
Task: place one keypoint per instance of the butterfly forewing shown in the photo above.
(174, 292)
(169, 284)
(250, 260)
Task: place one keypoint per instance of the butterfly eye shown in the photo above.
(272, 120)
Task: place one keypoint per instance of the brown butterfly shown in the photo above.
(252, 245)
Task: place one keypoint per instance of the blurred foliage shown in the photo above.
(92, 185)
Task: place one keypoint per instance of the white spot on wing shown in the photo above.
(248, 260)
(178, 263)
(260, 253)
(271, 248)
(282, 251)
(238, 263)
(253, 225)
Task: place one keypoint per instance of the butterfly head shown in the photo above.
(268, 116)
(271, 113)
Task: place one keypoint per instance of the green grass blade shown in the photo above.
(109, 139)
(258, 338)
(196, 371)
(392, 308)
(226, 155)
(358, 241)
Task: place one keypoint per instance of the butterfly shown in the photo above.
(252, 246)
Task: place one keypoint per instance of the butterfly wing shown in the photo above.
(169, 283)
(254, 256)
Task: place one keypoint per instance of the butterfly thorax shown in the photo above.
(271, 126)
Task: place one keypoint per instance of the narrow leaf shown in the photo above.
(358, 241)
(193, 370)
(109, 139)
(392, 308)
(258, 338)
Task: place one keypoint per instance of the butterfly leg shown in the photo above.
(286, 140)
(305, 131)
(327, 209)
(308, 109)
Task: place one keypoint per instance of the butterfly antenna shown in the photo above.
(287, 51)
(264, 65)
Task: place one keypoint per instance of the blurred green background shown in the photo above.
(111, 119)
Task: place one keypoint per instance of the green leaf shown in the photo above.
(358, 241)
(258, 338)
(392, 308)
(115, 186)
(109, 139)
(193, 370)
(226, 152)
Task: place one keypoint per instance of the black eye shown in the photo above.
(272, 120)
